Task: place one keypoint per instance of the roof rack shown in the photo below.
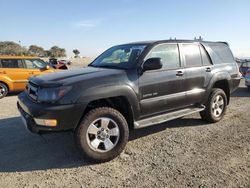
(172, 39)
(198, 39)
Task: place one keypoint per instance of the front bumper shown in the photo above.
(67, 116)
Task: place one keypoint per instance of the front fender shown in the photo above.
(108, 91)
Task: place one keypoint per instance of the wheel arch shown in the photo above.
(224, 85)
(5, 84)
(120, 103)
(221, 80)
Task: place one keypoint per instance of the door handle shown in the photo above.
(208, 69)
(179, 73)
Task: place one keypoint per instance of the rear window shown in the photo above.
(220, 53)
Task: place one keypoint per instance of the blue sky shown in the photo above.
(94, 25)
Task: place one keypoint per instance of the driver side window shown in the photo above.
(29, 64)
(168, 53)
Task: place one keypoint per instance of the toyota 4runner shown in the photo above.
(129, 87)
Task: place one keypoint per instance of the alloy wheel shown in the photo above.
(218, 106)
(103, 134)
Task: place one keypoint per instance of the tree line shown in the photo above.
(11, 48)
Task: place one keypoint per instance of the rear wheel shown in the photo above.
(3, 90)
(215, 107)
(102, 134)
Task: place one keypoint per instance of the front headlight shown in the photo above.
(52, 94)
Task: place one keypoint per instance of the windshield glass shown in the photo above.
(246, 64)
(122, 57)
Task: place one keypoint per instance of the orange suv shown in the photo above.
(15, 71)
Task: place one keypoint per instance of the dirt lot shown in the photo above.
(181, 153)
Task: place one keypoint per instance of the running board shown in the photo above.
(167, 117)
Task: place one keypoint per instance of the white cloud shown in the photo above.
(86, 24)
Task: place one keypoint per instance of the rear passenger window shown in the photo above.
(168, 53)
(205, 59)
(11, 63)
(192, 55)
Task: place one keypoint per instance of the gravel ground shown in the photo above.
(182, 153)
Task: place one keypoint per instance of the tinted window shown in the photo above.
(11, 63)
(221, 53)
(204, 56)
(168, 53)
(192, 55)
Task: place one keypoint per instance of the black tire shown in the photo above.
(82, 136)
(3, 90)
(209, 113)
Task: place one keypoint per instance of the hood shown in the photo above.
(71, 76)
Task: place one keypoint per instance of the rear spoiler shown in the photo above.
(226, 43)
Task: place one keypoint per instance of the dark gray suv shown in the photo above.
(131, 86)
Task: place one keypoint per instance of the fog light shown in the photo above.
(46, 122)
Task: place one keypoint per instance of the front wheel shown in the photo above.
(102, 134)
(3, 90)
(215, 107)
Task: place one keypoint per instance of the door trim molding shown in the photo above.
(180, 94)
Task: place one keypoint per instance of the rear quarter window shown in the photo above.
(219, 53)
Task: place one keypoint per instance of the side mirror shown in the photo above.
(152, 64)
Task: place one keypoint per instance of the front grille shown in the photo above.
(32, 90)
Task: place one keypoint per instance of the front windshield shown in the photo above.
(121, 57)
(247, 64)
